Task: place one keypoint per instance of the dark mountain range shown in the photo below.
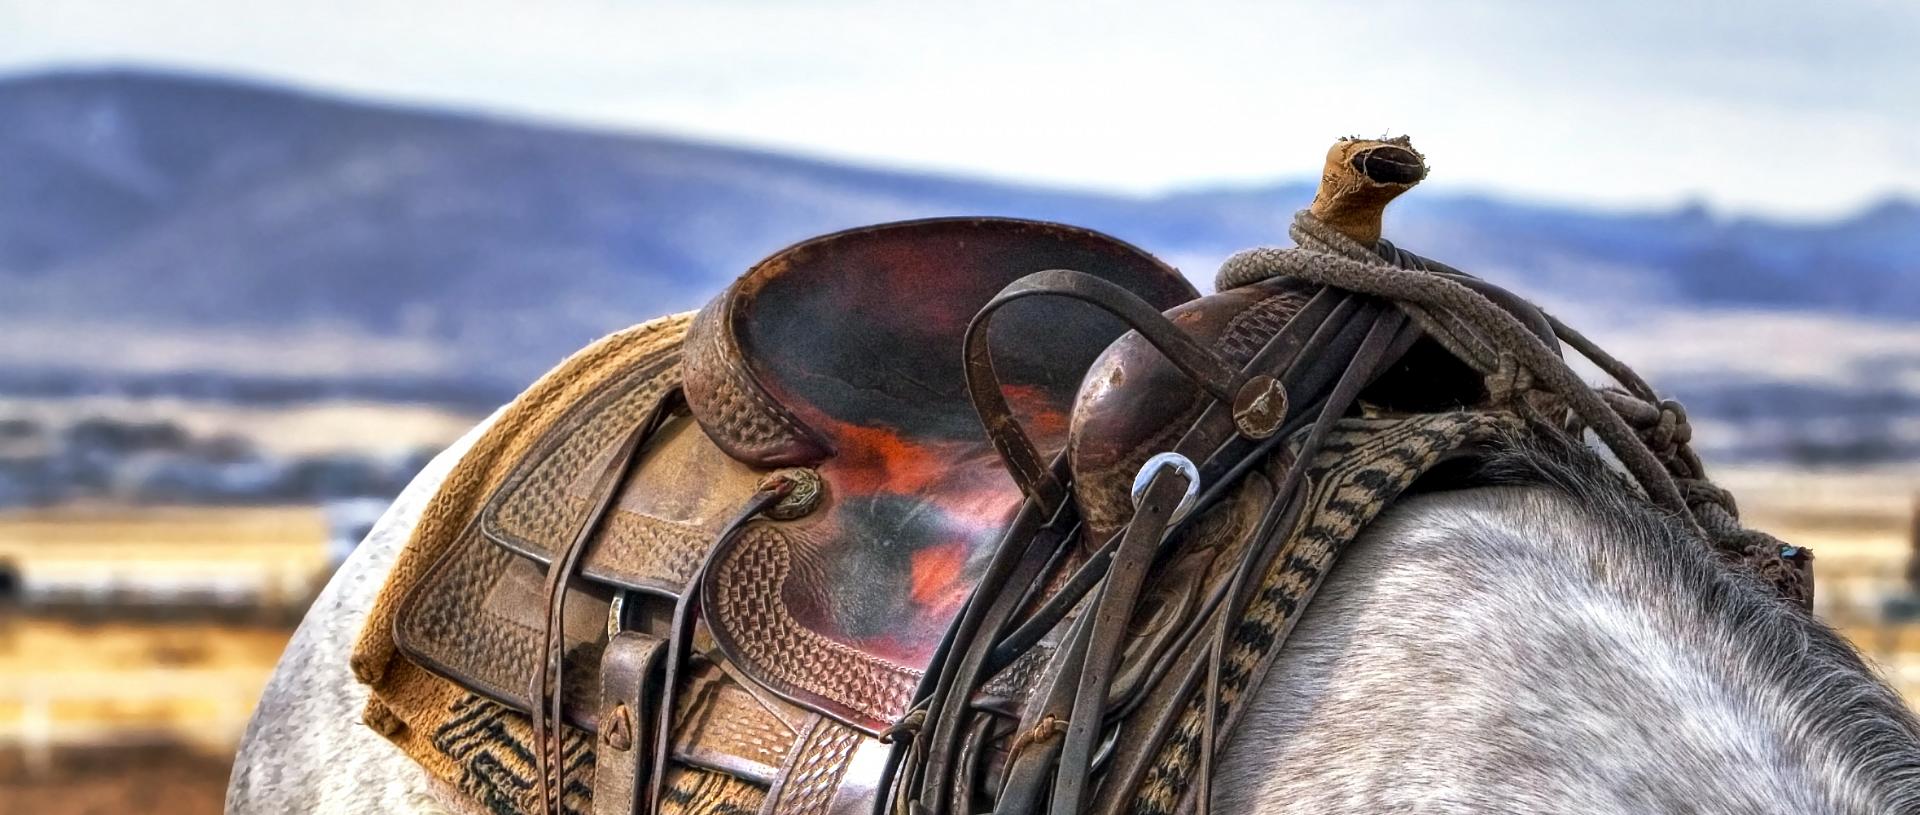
(161, 228)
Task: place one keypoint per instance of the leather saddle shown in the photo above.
(894, 527)
(838, 358)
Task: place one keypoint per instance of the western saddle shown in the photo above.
(894, 528)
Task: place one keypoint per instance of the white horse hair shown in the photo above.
(1545, 643)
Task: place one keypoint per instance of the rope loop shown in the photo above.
(1701, 493)
(1517, 349)
(1661, 425)
(1049, 727)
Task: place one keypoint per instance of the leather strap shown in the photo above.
(549, 682)
(1138, 546)
(630, 675)
(1017, 562)
(685, 615)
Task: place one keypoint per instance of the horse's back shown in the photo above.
(306, 749)
(1511, 649)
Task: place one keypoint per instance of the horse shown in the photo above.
(1526, 629)
(1543, 642)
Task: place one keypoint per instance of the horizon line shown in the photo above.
(1691, 204)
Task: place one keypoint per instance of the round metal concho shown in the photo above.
(1179, 463)
(1260, 407)
(805, 495)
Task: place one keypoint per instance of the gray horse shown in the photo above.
(1541, 642)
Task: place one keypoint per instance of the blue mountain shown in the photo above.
(143, 215)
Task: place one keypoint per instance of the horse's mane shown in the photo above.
(1560, 643)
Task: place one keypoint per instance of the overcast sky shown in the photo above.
(1774, 106)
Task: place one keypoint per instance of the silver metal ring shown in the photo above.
(1182, 465)
(616, 613)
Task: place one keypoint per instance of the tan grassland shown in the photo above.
(331, 426)
(98, 712)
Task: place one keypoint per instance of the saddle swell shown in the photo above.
(1136, 403)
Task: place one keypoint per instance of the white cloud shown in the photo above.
(1782, 107)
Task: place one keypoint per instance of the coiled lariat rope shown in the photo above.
(1647, 434)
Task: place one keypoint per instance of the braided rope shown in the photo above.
(1650, 436)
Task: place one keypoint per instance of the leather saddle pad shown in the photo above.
(842, 354)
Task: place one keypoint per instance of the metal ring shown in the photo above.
(617, 613)
(1181, 464)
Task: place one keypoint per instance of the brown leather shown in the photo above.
(683, 625)
(661, 526)
(478, 613)
(722, 725)
(956, 491)
(476, 617)
(548, 686)
(986, 386)
(1178, 384)
(842, 353)
(1137, 403)
(684, 481)
(1360, 177)
(630, 676)
(810, 779)
(1106, 632)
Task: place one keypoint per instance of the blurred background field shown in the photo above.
(259, 263)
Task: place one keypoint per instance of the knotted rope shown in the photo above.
(1650, 436)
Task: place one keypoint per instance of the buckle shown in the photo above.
(1182, 466)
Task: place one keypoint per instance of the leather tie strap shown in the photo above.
(686, 613)
(1107, 633)
(549, 690)
(630, 682)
